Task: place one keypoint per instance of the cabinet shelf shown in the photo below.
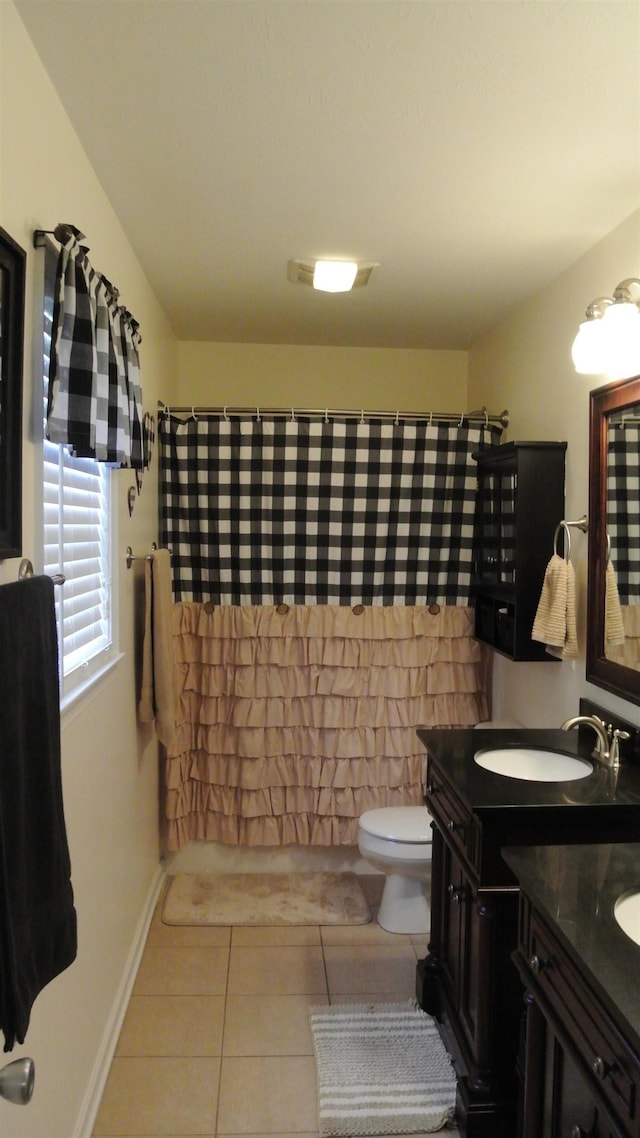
(520, 502)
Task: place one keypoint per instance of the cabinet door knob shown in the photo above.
(453, 826)
(600, 1068)
(577, 1132)
(536, 964)
(431, 789)
(456, 893)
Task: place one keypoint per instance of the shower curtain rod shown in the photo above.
(293, 413)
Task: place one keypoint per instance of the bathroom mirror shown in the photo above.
(12, 284)
(613, 596)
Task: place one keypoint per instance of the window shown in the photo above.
(76, 522)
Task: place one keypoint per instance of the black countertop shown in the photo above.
(486, 792)
(575, 888)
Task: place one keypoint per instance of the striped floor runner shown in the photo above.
(382, 1069)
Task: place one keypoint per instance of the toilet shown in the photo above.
(397, 840)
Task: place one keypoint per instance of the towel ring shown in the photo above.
(567, 539)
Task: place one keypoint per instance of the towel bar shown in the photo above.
(130, 556)
(26, 570)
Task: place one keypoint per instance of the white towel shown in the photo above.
(613, 626)
(555, 619)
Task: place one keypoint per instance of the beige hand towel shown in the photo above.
(613, 626)
(145, 702)
(555, 620)
(158, 689)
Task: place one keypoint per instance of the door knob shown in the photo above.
(600, 1068)
(536, 964)
(16, 1081)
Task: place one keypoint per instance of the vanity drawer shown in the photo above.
(455, 820)
(612, 1066)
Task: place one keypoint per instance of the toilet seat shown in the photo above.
(411, 824)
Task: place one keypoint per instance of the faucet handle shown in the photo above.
(615, 744)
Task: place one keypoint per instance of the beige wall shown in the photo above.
(109, 771)
(525, 364)
(382, 379)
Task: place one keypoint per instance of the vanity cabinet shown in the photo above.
(520, 501)
(582, 1051)
(468, 980)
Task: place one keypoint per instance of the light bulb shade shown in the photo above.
(622, 326)
(589, 351)
(334, 276)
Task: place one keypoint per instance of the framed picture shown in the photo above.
(12, 291)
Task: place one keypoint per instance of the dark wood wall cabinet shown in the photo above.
(519, 505)
(581, 1067)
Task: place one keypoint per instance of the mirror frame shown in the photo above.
(607, 674)
(12, 296)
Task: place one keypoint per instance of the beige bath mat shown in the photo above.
(265, 899)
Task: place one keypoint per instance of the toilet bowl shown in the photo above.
(397, 840)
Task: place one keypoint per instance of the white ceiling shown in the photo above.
(474, 148)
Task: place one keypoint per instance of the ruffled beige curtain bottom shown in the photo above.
(292, 724)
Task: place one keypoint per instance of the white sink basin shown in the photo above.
(532, 764)
(627, 913)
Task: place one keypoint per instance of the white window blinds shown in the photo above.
(76, 540)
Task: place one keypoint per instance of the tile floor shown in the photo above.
(216, 1039)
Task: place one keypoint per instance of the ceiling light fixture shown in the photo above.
(334, 276)
(608, 341)
(330, 276)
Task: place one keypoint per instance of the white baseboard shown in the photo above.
(93, 1096)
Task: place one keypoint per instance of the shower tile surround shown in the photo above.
(216, 1039)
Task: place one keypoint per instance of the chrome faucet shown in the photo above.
(607, 748)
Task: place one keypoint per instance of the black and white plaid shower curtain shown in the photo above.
(314, 512)
(623, 505)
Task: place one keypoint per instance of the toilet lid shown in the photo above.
(398, 823)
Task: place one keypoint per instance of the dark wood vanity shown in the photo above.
(468, 980)
(580, 972)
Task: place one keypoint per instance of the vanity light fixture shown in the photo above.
(608, 341)
(330, 276)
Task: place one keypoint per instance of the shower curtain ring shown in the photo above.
(224, 412)
(258, 419)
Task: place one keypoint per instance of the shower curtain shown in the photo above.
(623, 447)
(321, 575)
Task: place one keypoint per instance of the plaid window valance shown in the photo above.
(275, 510)
(95, 398)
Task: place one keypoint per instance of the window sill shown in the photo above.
(76, 701)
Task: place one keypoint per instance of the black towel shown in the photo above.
(38, 927)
